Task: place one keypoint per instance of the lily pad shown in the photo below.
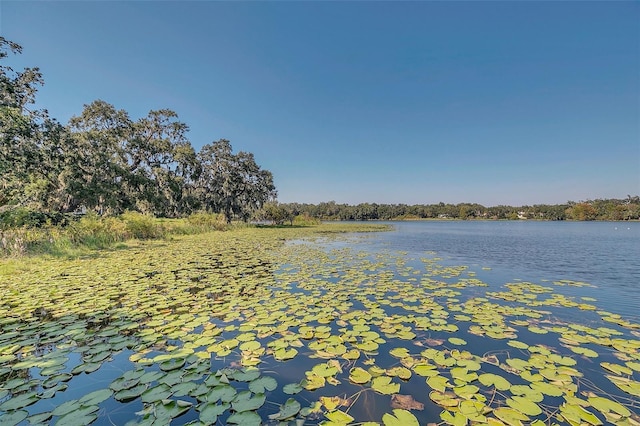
(287, 410)
(244, 401)
(524, 405)
(359, 375)
(245, 418)
(489, 379)
(383, 385)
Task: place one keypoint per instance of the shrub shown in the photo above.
(141, 226)
(18, 217)
(96, 232)
(208, 221)
(19, 241)
(306, 220)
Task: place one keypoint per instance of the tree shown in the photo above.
(276, 213)
(582, 211)
(232, 184)
(163, 164)
(102, 179)
(18, 124)
(146, 165)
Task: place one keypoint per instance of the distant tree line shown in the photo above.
(609, 209)
(105, 161)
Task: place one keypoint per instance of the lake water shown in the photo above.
(605, 254)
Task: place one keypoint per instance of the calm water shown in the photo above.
(605, 254)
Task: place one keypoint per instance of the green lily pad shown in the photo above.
(284, 354)
(96, 397)
(244, 401)
(510, 416)
(524, 405)
(616, 368)
(584, 351)
(547, 388)
(454, 419)
(425, 370)
(80, 417)
(313, 382)
(245, 418)
(489, 379)
(457, 341)
(287, 410)
(20, 401)
(224, 393)
(383, 385)
(246, 374)
(131, 393)
(209, 412)
(262, 384)
(14, 418)
(439, 383)
(338, 417)
(359, 375)
(156, 393)
(66, 407)
(292, 388)
(605, 405)
(170, 409)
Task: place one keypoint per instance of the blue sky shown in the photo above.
(389, 102)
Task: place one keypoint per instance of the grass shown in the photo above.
(93, 233)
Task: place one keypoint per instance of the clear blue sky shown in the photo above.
(389, 102)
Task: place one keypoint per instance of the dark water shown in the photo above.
(605, 254)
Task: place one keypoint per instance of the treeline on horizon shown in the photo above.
(104, 161)
(600, 209)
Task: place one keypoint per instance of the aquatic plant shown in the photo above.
(283, 325)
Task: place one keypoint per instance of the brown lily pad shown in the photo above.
(405, 402)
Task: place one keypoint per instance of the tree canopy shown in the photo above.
(607, 209)
(105, 161)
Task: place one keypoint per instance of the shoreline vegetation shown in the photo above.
(25, 232)
(92, 233)
(599, 209)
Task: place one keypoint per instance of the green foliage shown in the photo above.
(204, 221)
(612, 209)
(107, 162)
(97, 232)
(275, 213)
(23, 217)
(306, 220)
(142, 227)
(232, 184)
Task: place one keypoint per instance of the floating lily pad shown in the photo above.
(246, 401)
(289, 409)
(292, 388)
(19, 401)
(499, 382)
(383, 385)
(262, 384)
(524, 405)
(338, 417)
(209, 412)
(245, 418)
(359, 375)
